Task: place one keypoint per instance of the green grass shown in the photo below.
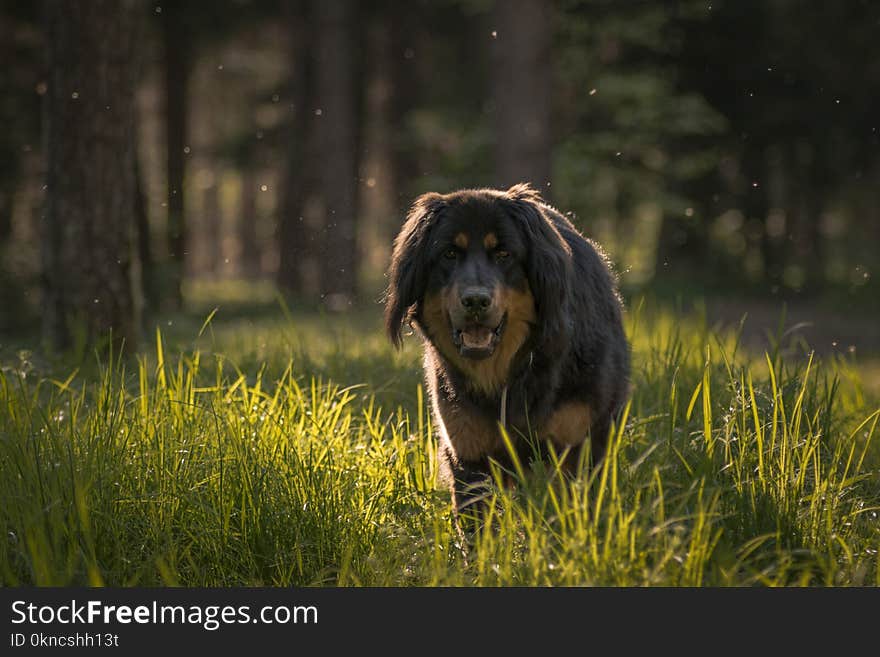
(298, 450)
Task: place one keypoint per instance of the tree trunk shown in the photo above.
(90, 139)
(212, 229)
(299, 176)
(148, 291)
(177, 69)
(249, 263)
(683, 247)
(769, 202)
(404, 94)
(7, 205)
(808, 252)
(522, 85)
(671, 241)
(10, 292)
(337, 133)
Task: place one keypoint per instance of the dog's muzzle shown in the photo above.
(477, 340)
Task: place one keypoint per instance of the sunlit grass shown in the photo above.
(298, 449)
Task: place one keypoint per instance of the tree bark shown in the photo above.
(177, 71)
(808, 243)
(769, 203)
(404, 94)
(521, 89)
(247, 230)
(7, 198)
(90, 109)
(211, 232)
(337, 133)
(143, 237)
(299, 176)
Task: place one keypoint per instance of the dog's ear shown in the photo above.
(407, 275)
(549, 262)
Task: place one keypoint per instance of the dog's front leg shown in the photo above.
(472, 484)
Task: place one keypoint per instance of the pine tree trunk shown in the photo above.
(298, 176)
(808, 252)
(337, 132)
(143, 237)
(212, 229)
(90, 139)
(177, 69)
(522, 86)
(404, 95)
(7, 196)
(769, 203)
(249, 263)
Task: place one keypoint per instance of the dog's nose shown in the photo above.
(476, 300)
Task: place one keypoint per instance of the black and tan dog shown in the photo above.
(521, 323)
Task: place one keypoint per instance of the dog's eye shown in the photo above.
(450, 254)
(501, 256)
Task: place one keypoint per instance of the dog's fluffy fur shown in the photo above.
(515, 308)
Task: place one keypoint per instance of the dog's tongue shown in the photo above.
(476, 337)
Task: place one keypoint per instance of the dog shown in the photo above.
(521, 323)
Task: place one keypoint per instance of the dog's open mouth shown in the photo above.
(478, 340)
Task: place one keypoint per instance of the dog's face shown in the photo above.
(481, 271)
(477, 285)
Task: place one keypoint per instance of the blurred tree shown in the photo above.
(21, 43)
(802, 114)
(443, 90)
(401, 21)
(684, 157)
(149, 293)
(633, 141)
(293, 239)
(249, 257)
(187, 30)
(211, 222)
(177, 44)
(522, 88)
(20, 40)
(250, 155)
(337, 133)
(92, 55)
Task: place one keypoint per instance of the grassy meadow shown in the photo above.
(286, 448)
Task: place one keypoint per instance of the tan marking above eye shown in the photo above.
(461, 241)
(490, 241)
